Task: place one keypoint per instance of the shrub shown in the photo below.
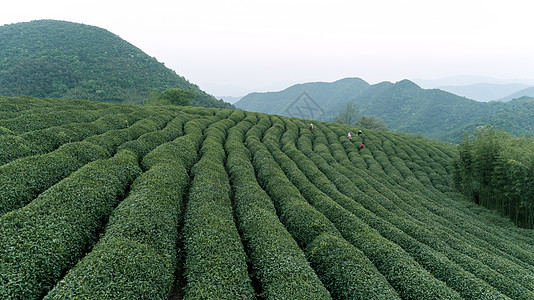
(12, 147)
(215, 258)
(47, 237)
(277, 261)
(137, 254)
(25, 178)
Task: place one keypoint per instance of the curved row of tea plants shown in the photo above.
(215, 260)
(422, 238)
(41, 141)
(23, 179)
(24, 233)
(137, 254)
(323, 244)
(45, 238)
(278, 263)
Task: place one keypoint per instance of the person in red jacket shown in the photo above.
(361, 147)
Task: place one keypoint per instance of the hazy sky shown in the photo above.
(232, 47)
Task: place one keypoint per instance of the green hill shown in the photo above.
(528, 92)
(58, 59)
(515, 116)
(403, 106)
(113, 201)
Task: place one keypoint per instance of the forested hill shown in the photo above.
(402, 106)
(327, 95)
(59, 59)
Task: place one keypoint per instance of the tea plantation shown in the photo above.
(109, 201)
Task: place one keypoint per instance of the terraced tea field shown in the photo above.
(104, 201)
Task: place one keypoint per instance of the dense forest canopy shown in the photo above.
(59, 59)
(496, 169)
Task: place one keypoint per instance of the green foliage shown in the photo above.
(376, 217)
(321, 234)
(59, 59)
(278, 263)
(137, 255)
(495, 169)
(403, 106)
(47, 237)
(23, 179)
(173, 96)
(348, 115)
(215, 259)
(234, 204)
(387, 257)
(372, 123)
(112, 139)
(150, 140)
(36, 121)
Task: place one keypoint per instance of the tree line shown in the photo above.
(496, 169)
(349, 116)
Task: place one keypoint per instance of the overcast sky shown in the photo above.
(233, 47)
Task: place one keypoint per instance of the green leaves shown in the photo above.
(247, 205)
(48, 236)
(58, 59)
(493, 170)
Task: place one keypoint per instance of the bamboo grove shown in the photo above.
(108, 201)
(496, 170)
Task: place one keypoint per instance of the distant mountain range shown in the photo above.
(481, 88)
(486, 92)
(58, 59)
(528, 92)
(403, 106)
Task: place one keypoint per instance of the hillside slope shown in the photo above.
(327, 95)
(58, 59)
(403, 106)
(528, 92)
(116, 201)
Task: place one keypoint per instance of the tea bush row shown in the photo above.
(444, 269)
(353, 280)
(26, 104)
(183, 149)
(215, 260)
(111, 140)
(36, 121)
(46, 140)
(310, 228)
(23, 179)
(137, 256)
(44, 239)
(511, 269)
(302, 221)
(439, 265)
(17, 105)
(277, 261)
(413, 282)
(150, 140)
